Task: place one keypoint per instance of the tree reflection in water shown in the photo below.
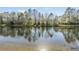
(32, 34)
(71, 36)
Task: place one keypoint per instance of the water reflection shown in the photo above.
(42, 34)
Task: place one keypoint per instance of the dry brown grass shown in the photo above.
(13, 47)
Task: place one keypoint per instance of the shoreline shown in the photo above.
(14, 47)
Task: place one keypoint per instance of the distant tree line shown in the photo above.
(32, 17)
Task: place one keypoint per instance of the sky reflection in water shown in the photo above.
(40, 36)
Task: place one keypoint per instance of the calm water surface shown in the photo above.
(41, 36)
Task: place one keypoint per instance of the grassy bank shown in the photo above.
(36, 25)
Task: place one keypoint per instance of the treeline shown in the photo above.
(32, 17)
(70, 16)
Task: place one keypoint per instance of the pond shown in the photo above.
(39, 38)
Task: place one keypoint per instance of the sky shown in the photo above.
(55, 10)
